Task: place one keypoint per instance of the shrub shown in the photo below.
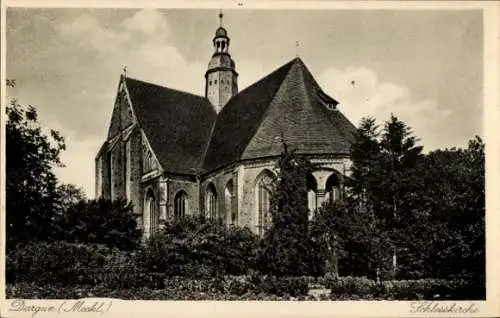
(267, 284)
(360, 286)
(57, 262)
(195, 247)
(101, 221)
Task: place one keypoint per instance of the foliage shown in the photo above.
(354, 235)
(30, 185)
(102, 221)
(55, 262)
(69, 195)
(428, 208)
(383, 165)
(196, 247)
(452, 209)
(257, 288)
(285, 248)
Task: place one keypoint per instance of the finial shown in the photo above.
(297, 44)
(220, 17)
(124, 71)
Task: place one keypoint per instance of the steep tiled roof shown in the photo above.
(239, 120)
(177, 124)
(188, 137)
(286, 105)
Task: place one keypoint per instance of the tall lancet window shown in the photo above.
(211, 202)
(263, 189)
(229, 207)
(312, 188)
(181, 204)
(333, 188)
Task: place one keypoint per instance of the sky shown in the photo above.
(424, 66)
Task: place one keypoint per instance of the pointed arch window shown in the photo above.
(263, 189)
(312, 188)
(211, 202)
(333, 188)
(229, 207)
(181, 204)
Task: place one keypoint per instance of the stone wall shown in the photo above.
(248, 202)
(117, 171)
(177, 184)
(135, 194)
(220, 181)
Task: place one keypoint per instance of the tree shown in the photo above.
(101, 221)
(452, 199)
(31, 192)
(69, 194)
(285, 248)
(382, 179)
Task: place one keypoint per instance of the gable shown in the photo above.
(123, 115)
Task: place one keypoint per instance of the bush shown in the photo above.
(101, 221)
(57, 262)
(364, 288)
(195, 247)
(360, 286)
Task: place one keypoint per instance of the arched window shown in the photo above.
(181, 204)
(211, 202)
(263, 189)
(333, 188)
(151, 216)
(312, 188)
(231, 215)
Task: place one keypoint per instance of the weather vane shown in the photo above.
(220, 17)
(124, 70)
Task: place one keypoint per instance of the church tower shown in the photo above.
(221, 79)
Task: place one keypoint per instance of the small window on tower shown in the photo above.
(209, 82)
(215, 82)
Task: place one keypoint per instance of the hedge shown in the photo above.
(60, 262)
(72, 266)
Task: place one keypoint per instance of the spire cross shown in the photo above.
(297, 44)
(124, 69)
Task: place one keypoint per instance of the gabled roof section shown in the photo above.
(286, 105)
(177, 124)
(240, 118)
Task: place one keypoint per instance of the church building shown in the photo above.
(172, 153)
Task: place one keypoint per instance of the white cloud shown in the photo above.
(148, 21)
(361, 93)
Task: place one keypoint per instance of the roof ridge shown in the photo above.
(232, 107)
(282, 67)
(164, 87)
(288, 65)
(271, 102)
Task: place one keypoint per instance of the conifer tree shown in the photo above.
(285, 248)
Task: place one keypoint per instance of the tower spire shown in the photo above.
(221, 76)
